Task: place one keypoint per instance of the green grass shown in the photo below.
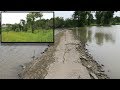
(37, 36)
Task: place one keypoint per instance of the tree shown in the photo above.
(90, 19)
(16, 27)
(31, 18)
(50, 23)
(69, 22)
(108, 15)
(80, 17)
(104, 17)
(98, 16)
(116, 20)
(59, 22)
(23, 25)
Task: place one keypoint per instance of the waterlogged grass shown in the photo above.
(37, 36)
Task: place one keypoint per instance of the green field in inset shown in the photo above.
(37, 36)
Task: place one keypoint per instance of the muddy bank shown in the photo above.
(95, 69)
(37, 69)
(67, 58)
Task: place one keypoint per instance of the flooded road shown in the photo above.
(12, 56)
(104, 45)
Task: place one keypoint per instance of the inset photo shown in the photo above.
(34, 26)
(0, 26)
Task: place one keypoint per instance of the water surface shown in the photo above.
(104, 44)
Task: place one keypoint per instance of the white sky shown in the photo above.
(12, 18)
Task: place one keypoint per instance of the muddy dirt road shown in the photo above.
(67, 63)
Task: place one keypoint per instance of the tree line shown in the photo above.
(31, 23)
(85, 18)
(78, 19)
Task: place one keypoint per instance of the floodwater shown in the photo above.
(14, 55)
(103, 43)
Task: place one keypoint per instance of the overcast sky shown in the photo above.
(15, 17)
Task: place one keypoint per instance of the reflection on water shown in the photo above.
(81, 34)
(104, 45)
(89, 36)
(85, 34)
(103, 37)
(99, 38)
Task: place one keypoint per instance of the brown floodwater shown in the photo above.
(103, 43)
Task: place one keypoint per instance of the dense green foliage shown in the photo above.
(85, 18)
(116, 20)
(78, 19)
(33, 21)
(104, 17)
